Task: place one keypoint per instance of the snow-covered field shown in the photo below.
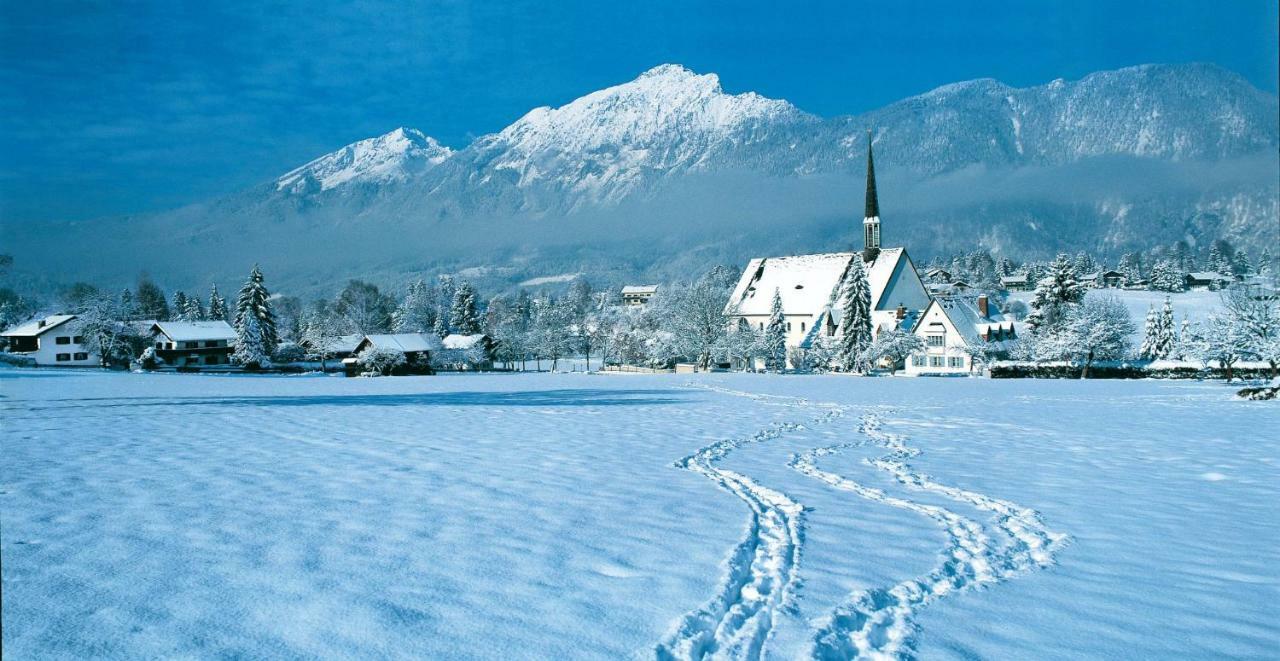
(589, 516)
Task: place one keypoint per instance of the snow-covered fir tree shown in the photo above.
(1264, 266)
(217, 305)
(1165, 339)
(892, 346)
(251, 345)
(254, 303)
(1150, 331)
(417, 312)
(193, 309)
(179, 307)
(1131, 267)
(855, 323)
(1054, 296)
(1167, 276)
(1241, 264)
(1219, 260)
(775, 336)
(463, 316)
(128, 308)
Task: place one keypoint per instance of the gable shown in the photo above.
(903, 287)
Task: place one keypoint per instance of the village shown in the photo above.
(854, 311)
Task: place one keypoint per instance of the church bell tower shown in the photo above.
(871, 219)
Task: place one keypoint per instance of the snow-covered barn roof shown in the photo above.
(38, 326)
(406, 342)
(807, 283)
(189, 331)
(463, 342)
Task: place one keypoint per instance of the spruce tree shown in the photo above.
(179, 306)
(1264, 262)
(128, 309)
(1165, 341)
(217, 305)
(1054, 296)
(462, 314)
(416, 313)
(855, 323)
(1150, 332)
(150, 301)
(254, 301)
(193, 310)
(1166, 276)
(775, 336)
(251, 349)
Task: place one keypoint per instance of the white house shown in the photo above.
(53, 340)
(416, 348)
(638, 295)
(952, 327)
(810, 285)
(193, 343)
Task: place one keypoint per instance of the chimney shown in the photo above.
(41, 324)
(902, 312)
(983, 306)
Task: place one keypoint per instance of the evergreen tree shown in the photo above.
(1150, 333)
(150, 301)
(462, 314)
(1131, 267)
(417, 313)
(775, 336)
(1004, 268)
(1084, 263)
(255, 302)
(448, 286)
(179, 307)
(193, 309)
(217, 305)
(1242, 265)
(128, 309)
(1264, 262)
(251, 342)
(1218, 260)
(439, 329)
(855, 323)
(1167, 276)
(1165, 339)
(1054, 296)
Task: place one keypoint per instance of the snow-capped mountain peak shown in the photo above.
(387, 158)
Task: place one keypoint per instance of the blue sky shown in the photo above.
(111, 108)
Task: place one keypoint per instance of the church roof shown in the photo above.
(807, 283)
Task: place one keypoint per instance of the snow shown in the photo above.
(1196, 305)
(38, 326)
(550, 279)
(180, 331)
(807, 283)
(588, 516)
(387, 158)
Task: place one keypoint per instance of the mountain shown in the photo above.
(666, 173)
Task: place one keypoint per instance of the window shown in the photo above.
(802, 327)
(762, 325)
(82, 356)
(788, 326)
(62, 339)
(210, 344)
(936, 340)
(159, 345)
(917, 360)
(79, 339)
(955, 361)
(935, 361)
(211, 360)
(190, 345)
(63, 357)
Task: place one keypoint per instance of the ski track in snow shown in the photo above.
(879, 623)
(876, 623)
(761, 572)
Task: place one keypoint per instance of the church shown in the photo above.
(810, 285)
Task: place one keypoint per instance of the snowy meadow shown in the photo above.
(605, 516)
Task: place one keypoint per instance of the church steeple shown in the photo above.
(871, 220)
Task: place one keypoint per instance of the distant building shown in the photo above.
(937, 275)
(53, 340)
(466, 352)
(193, 343)
(1019, 282)
(952, 328)
(1208, 280)
(637, 295)
(416, 347)
(810, 286)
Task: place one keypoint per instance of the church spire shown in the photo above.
(871, 220)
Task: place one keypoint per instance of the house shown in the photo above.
(1109, 279)
(466, 352)
(416, 348)
(1208, 280)
(810, 285)
(1019, 282)
(937, 275)
(947, 288)
(53, 340)
(191, 344)
(952, 329)
(638, 295)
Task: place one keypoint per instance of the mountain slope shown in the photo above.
(641, 173)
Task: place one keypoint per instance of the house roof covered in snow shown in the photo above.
(1209, 276)
(640, 289)
(966, 315)
(1020, 279)
(188, 331)
(463, 342)
(406, 342)
(38, 326)
(807, 283)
